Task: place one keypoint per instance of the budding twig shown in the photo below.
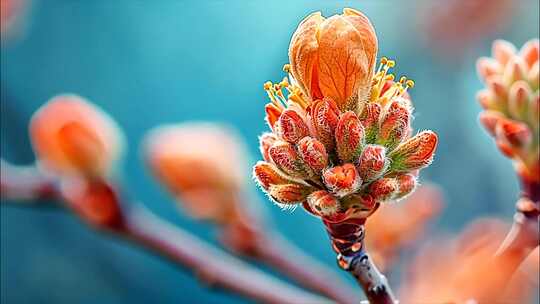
(143, 229)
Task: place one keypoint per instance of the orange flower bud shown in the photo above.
(324, 117)
(289, 193)
(415, 153)
(487, 67)
(370, 120)
(519, 99)
(383, 189)
(534, 76)
(284, 155)
(515, 133)
(514, 70)
(349, 137)
(267, 174)
(496, 86)
(342, 180)
(73, 137)
(372, 163)
(405, 185)
(323, 203)
(272, 114)
(487, 100)
(334, 57)
(291, 126)
(265, 142)
(394, 125)
(313, 154)
(502, 51)
(489, 120)
(201, 164)
(530, 52)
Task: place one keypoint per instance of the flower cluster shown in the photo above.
(341, 140)
(511, 103)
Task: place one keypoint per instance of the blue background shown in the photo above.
(148, 63)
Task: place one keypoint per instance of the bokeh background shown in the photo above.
(153, 62)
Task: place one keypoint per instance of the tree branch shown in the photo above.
(142, 228)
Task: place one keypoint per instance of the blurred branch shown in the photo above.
(524, 236)
(142, 228)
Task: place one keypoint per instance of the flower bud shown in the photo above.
(487, 67)
(265, 142)
(530, 52)
(289, 193)
(513, 132)
(502, 51)
(370, 120)
(284, 155)
(324, 117)
(394, 125)
(313, 154)
(267, 174)
(415, 153)
(202, 164)
(534, 110)
(383, 189)
(534, 76)
(519, 99)
(342, 180)
(496, 86)
(334, 57)
(323, 203)
(349, 137)
(73, 137)
(489, 120)
(514, 70)
(291, 126)
(272, 114)
(405, 185)
(487, 100)
(372, 163)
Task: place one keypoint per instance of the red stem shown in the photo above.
(348, 242)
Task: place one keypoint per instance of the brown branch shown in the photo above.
(141, 228)
(348, 242)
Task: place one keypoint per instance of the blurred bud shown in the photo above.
(534, 76)
(291, 126)
(289, 193)
(394, 125)
(372, 163)
(405, 185)
(487, 67)
(415, 153)
(530, 52)
(324, 119)
(502, 51)
(489, 120)
(496, 86)
(94, 201)
(267, 174)
(323, 203)
(487, 100)
(349, 137)
(284, 155)
(370, 120)
(383, 189)
(73, 137)
(514, 70)
(265, 142)
(519, 99)
(313, 154)
(342, 180)
(202, 164)
(334, 57)
(534, 111)
(272, 114)
(513, 132)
